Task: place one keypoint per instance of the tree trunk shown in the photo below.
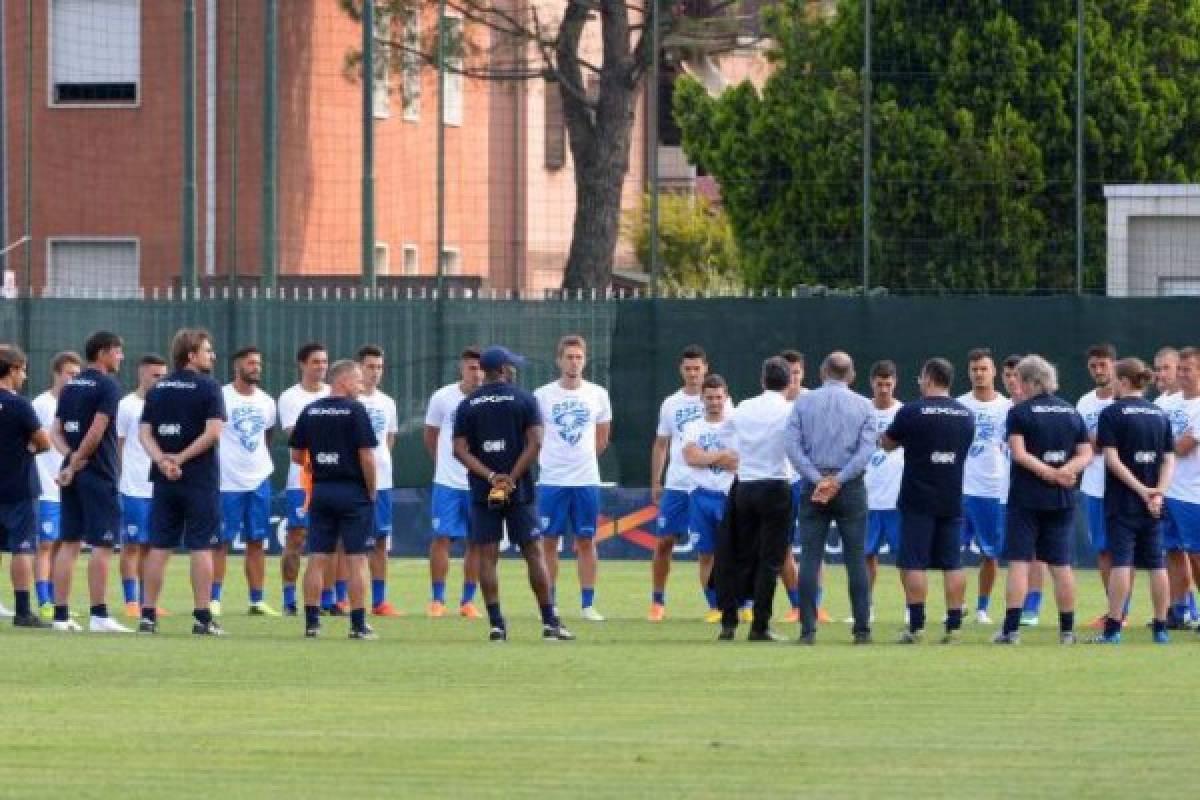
(598, 183)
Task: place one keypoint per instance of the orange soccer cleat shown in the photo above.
(469, 611)
(793, 615)
(133, 611)
(823, 617)
(658, 612)
(386, 609)
(435, 610)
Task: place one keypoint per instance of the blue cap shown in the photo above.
(497, 357)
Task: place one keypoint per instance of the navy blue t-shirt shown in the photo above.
(333, 430)
(936, 433)
(89, 393)
(1052, 429)
(494, 419)
(18, 422)
(177, 410)
(1141, 433)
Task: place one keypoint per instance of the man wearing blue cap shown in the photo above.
(497, 436)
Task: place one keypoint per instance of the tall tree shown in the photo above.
(973, 164)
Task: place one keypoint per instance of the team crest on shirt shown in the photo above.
(1179, 422)
(570, 417)
(248, 424)
(708, 442)
(985, 431)
(378, 421)
(687, 414)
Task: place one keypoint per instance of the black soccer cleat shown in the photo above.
(767, 635)
(557, 633)
(364, 633)
(726, 634)
(290, 611)
(498, 634)
(147, 626)
(208, 629)
(30, 621)
(312, 632)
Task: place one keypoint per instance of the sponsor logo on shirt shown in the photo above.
(1091, 416)
(71, 426)
(248, 424)
(81, 382)
(942, 457)
(570, 418)
(494, 446)
(170, 429)
(493, 398)
(945, 411)
(1151, 410)
(325, 411)
(175, 384)
(1055, 456)
(328, 459)
(1145, 457)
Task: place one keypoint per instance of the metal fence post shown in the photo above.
(368, 144)
(866, 148)
(1079, 176)
(270, 176)
(187, 263)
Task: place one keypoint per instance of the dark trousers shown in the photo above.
(849, 510)
(751, 544)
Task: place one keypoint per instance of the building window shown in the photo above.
(379, 69)
(451, 261)
(411, 265)
(454, 66)
(383, 261)
(95, 52)
(412, 65)
(79, 266)
(556, 131)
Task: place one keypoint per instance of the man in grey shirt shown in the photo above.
(830, 438)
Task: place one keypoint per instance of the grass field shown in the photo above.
(629, 710)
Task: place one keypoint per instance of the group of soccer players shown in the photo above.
(182, 461)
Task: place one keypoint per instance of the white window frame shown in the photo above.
(456, 261)
(416, 259)
(381, 69)
(85, 239)
(50, 83)
(410, 84)
(382, 249)
(454, 115)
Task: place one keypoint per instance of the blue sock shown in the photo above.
(341, 590)
(820, 595)
(982, 603)
(128, 585)
(659, 598)
(1125, 608)
(327, 598)
(43, 593)
(588, 597)
(216, 590)
(289, 595)
(256, 596)
(50, 591)
(439, 591)
(1033, 602)
(794, 597)
(1179, 610)
(495, 619)
(1191, 603)
(548, 615)
(378, 592)
(710, 597)
(468, 593)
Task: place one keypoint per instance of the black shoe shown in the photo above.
(807, 639)
(498, 635)
(147, 626)
(557, 633)
(765, 636)
(726, 634)
(208, 629)
(290, 611)
(313, 632)
(30, 621)
(337, 611)
(365, 633)
(862, 637)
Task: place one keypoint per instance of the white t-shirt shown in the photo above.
(49, 463)
(243, 453)
(884, 470)
(1089, 407)
(1167, 402)
(709, 436)
(1185, 483)
(449, 471)
(570, 416)
(382, 411)
(676, 412)
(135, 463)
(291, 403)
(985, 472)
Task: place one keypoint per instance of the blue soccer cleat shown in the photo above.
(1162, 637)
(1102, 639)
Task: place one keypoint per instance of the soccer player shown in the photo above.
(64, 366)
(381, 410)
(180, 429)
(245, 465)
(708, 450)
(936, 433)
(985, 475)
(1179, 572)
(85, 427)
(451, 498)
(1139, 453)
(1050, 448)
(883, 475)
(335, 436)
(676, 412)
(497, 434)
(1181, 521)
(1101, 360)
(21, 437)
(578, 421)
(134, 485)
(313, 361)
